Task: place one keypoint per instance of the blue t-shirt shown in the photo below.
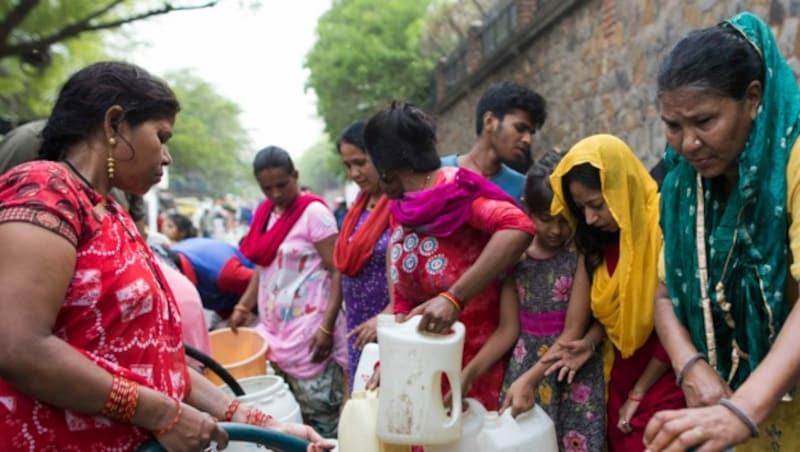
(507, 179)
(208, 257)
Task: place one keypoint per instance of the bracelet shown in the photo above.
(257, 417)
(241, 308)
(174, 420)
(594, 346)
(747, 420)
(631, 397)
(232, 407)
(689, 362)
(452, 299)
(122, 401)
(325, 330)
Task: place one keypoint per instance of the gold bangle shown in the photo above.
(325, 330)
(452, 299)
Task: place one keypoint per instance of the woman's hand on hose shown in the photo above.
(321, 345)
(438, 315)
(194, 430)
(702, 386)
(567, 358)
(245, 415)
(365, 333)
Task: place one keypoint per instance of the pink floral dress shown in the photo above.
(577, 409)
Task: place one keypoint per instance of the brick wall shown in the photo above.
(596, 66)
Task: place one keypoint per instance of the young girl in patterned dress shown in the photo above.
(544, 282)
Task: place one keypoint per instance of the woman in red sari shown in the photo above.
(92, 356)
(453, 234)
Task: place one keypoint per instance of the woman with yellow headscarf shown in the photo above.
(612, 202)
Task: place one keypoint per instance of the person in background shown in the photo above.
(21, 144)
(94, 358)
(360, 253)
(506, 118)
(291, 241)
(340, 211)
(726, 309)
(544, 279)
(178, 227)
(453, 234)
(219, 270)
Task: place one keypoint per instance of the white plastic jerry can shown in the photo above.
(357, 426)
(410, 406)
(471, 425)
(532, 430)
(366, 364)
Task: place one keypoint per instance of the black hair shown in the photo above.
(402, 136)
(538, 193)
(717, 59)
(503, 97)
(88, 94)
(354, 135)
(184, 225)
(273, 157)
(589, 241)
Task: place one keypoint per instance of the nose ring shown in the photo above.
(696, 141)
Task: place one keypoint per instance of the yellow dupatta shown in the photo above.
(622, 303)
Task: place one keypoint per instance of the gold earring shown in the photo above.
(110, 165)
(112, 142)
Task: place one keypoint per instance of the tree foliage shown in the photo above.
(367, 53)
(320, 167)
(210, 146)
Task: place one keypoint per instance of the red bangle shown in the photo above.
(452, 299)
(232, 407)
(122, 401)
(631, 397)
(174, 420)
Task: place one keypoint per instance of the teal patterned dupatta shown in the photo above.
(745, 235)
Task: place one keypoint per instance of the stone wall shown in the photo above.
(596, 66)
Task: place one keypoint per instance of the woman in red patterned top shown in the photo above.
(92, 356)
(453, 235)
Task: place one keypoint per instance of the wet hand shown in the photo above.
(438, 315)
(712, 428)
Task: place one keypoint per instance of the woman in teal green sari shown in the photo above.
(730, 214)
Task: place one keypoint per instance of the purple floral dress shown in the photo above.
(366, 294)
(577, 409)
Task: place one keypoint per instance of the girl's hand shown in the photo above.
(519, 398)
(239, 317)
(194, 430)
(305, 432)
(375, 380)
(626, 413)
(365, 333)
(321, 346)
(568, 358)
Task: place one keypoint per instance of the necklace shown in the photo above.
(78, 173)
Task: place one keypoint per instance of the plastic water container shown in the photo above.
(242, 354)
(366, 364)
(357, 426)
(410, 406)
(532, 430)
(471, 425)
(270, 394)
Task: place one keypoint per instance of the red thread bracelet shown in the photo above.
(631, 397)
(232, 407)
(174, 420)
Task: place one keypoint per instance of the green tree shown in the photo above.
(320, 167)
(42, 42)
(367, 53)
(209, 144)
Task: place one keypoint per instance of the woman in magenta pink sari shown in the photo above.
(453, 235)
